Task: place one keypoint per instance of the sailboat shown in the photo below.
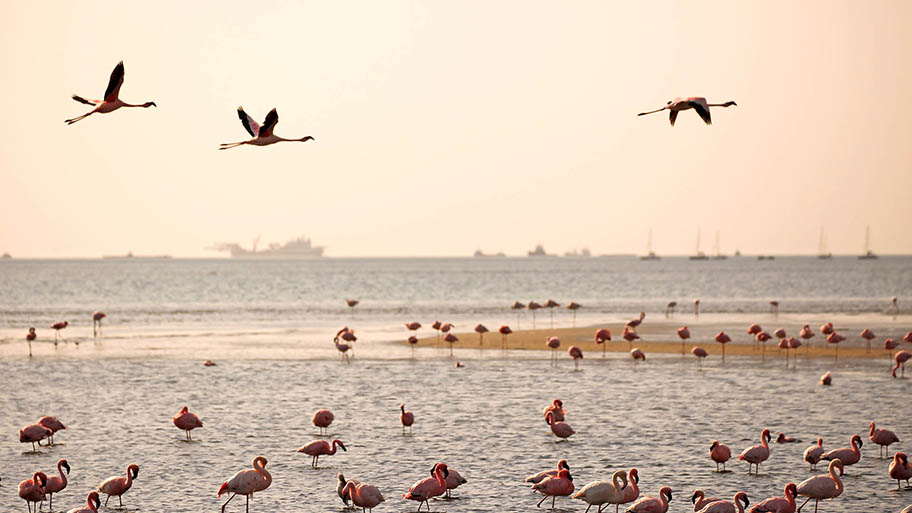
(650, 254)
(717, 249)
(822, 252)
(868, 254)
(700, 255)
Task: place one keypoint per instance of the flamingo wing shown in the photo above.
(249, 124)
(114, 83)
(672, 116)
(703, 111)
(80, 99)
(272, 119)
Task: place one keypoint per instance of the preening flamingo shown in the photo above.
(319, 448)
(187, 421)
(573, 306)
(322, 418)
(92, 504)
(554, 486)
(56, 483)
(827, 328)
(247, 481)
(637, 354)
(429, 487)
(536, 478)
(652, 504)
(740, 501)
(719, 453)
(34, 433)
(454, 480)
(604, 492)
(700, 500)
(263, 136)
(900, 469)
(118, 485)
(560, 429)
(363, 495)
(813, 453)
(31, 338)
(344, 494)
(826, 379)
(481, 329)
(52, 423)
(723, 339)
(901, 357)
(696, 103)
(603, 336)
(882, 437)
(504, 331)
(577, 354)
(847, 455)
(57, 326)
(32, 490)
(630, 335)
(700, 353)
(822, 487)
(684, 334)
(553, 343)
(556, 408)
(111, 100)
(757, 454)
(407, 418)
(96, 322)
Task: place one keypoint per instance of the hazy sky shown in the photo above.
(443, 127)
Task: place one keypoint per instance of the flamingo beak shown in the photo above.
(67, 467)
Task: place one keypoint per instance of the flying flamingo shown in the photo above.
(429, 487)
(450, 339)
(319, 448)
(630, 335)
(670, 308)
(454, 480)
(560, 429)
(344, 494)
(187, 421)
(763, 337)
(92, 504)
(518, 307)
(900, 469)
(556, 409)
(826, 379)
(536, 478)
(550, 304)
(634, 323)
(604, 492)
(34, 433)
(407, 418)
(783, 438)
(322, 418)
(533, 306)
(56, 484)
(868, 335)
(52, 423)
(827, 328)
(723, 339)
(118, 485)
(758, 453)
(901, 357)
(847, 455)
(696, 307)
(554, 486)
(554, 343)
(111, 101)
(247, 481)
(576, 353)
(882, 437)
(31, 338)
(813, 453)
(652, 504)
(603, 336)
(32, 490)
(573, 306)
(504, 331)
(96, 322)
(363, 495)
(700, 353)
(835, 338)
(263, 136)
(637, 354)
(57, 326)
(696, 103)
(481, 329)
(720, 453)
(740, 501)
(700, 500)
(822, 487)
(684, 334)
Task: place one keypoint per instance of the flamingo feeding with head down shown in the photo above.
(813, 453)
(247, 481)
(187, 421)
(111, 100)
(96, 322)
(407, 418)
(901, 357)
(429, 487)
(652, 504)
(900, 469)
(34, 433)
(637, 354)
(603, 336)
(92, 504)
(560, 429)
(52, 423)
(32, 490)
(719, 453)
(536, 478)
(263, 136)
(363, 495)
(56, 483)
(118, 485)
(577, 354)
(757, 454)
(822, 487)
(696, 103)
(319, 448)
(882, 437)
(598, 493)
(560, 485)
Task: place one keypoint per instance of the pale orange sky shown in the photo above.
(442, 127)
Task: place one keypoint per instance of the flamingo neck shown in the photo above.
(261, 469)
(835, 478)
(63, 477)
(129, 477)
(441, 481)
(619, 476)
(350, 490)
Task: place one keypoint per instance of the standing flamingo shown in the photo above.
(247, 481)
(560, 429)
(784, 344)
(533, 306)
(536, 478)
(900, 469)
(794, 344)
(908, 337)
(429, 487)
(556, 409)
(696, 103)
(670, 309)
(344, 494)
(576, 353)
(696, 307)
(889, 345)
(763, 337)
(319, 448)
(56, 484)
(630, 335)
(111, 100)
(118, 485)
(603, 336)
(700, 353)
(700, 500)
(34, 433)
(901, 357)
(637, 354)
(822, 487)
(807, 334)
(57, 326)
(556, 486)
(481, 329)
(413, 326)
(652, 504)
(684, 334)
(868, 335)
(550, 304)
(719, 453)
(450, 339)
(363, 495)
(723, 339)
(92, 504)
(32, 490)
(407, 418)
(31, 338)
(757, 454)
(412, 340)
(632, 492)
(436, 326)
(603, 492)
(263, 136)
(518, 308)
(343, 348)
(187, 421)
(96, 322)
(774, 308)
(847, 455)
(634, 323)
(322, 418)
(754, 329)
(454, 480)
(348, 335)
(813, 453)
(740, 501)
(352, 303)
(52, 423)
(504, 331)
(553, 343)
(835, 338)
(882, 437)
(826, 379)
(827, 328)
(573, 306)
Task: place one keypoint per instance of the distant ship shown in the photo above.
(822, 252)
(131, 256)
(583, 253)
(699, 255)
(7, 256)
(539, 252)
(297, 248)
(868, 254)
(650, 254)
(717, 249)
(478, 254)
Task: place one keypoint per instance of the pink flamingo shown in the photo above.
(32, 490)
(784, 344)
(52, 423)
(577, 354)
(882, 437)
(720, 453)
(700, 501)
(835, 338)
(344, 494)
(481, 329)
(794, 344)
(209, 363)
(533, 306)
(822, 487)
(454, 480)
(413, 340)
(518, 307)
(696, 307)
(700, 353)
(723, 339)
(602, 336)
(807, 334)
(890, 345)
(446, 327)
(697, 103)
(652, 504)
(550, 304)
(684, 334)
(348, 335)
(363, 495)
(783, 438)
(343, 348)
(111, 100)
(554, 344)
(634, 323)
(322, 418)
(630, 335)
(813, 453)
(436, 326)
(429, 487)
(827, 328)
(96, 322)
(763, 337)
(504, 331)
(187, 421)
(536, 478)
(450, 339)
(757, 454)
(319, 448)
(556, 409)
(118, 485)
(868, 335)
(352, 303)
(753, 329)
(900, 469)
(901, 357)
(263, 136)
(908, 337)
(407, 418)
(637, 354)
(632, 491)
(780, 333)
(554, 486)
(740, 501)
(57, 326)
(847, 455)
(247, 481)
(573, 306)
(826, 379)
(785, 504)
(774, 308)
(34, 433)
(560, 429)
(92, 504)
(56, 484)
(413, 326)
(599, 493)
(670, 309)
(31, 338)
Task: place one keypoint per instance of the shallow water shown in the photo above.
(484, 420)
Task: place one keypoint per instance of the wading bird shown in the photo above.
(696, 103)
(111, 101)
(576, 353)
(32, 490)
(882, 437)
(652, 504)
(846, 455)
(263, 136)
(556, 408)
(429, 487)
(363, 495)
(322, 418)
(757, 454)
(118, 485)
(813, 453)
(719, 453)
(536, 478)
(557, 486)
(247, 481)
(822, 487)
(52, 423)
(407, 418)
(603, 336)
(319, 448)
(31, 338)
(96, 322)
(186, 421)
(56, 483)
(92, 504)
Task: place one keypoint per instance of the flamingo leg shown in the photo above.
(73, 120)
(226, 502)
(226, 146)
(541, 501)
(552, 501)
(120, 500)
(106, 500)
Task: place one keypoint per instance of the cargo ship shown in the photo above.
(296, 248)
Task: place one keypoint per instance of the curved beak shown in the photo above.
(67, 467)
